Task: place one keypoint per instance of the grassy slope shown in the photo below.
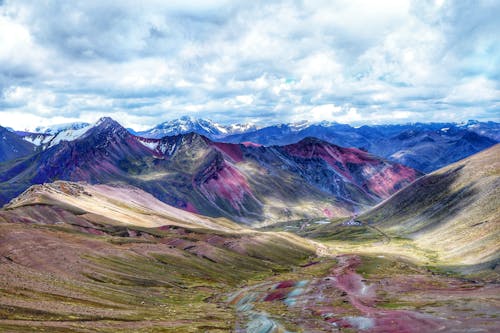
(455, 210)
(128, 277)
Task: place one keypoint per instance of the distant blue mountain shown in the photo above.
(422, 146)
(12, 146)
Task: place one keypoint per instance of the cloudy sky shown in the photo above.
(351, 61)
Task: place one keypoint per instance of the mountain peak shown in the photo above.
(107, 127)
(310, 140)
(188, 118)
(106, 120)
(108, 123)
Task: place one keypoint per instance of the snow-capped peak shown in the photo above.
(240, 128)
(69, 135)
(299, 125)
(69, 132)
(187, 124)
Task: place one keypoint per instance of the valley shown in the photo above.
(76, 270)
(112, 232)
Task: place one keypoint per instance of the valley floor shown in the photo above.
(92, 262)
(379, 290)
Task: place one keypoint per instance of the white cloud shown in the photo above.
(324, 112)
(474, 90)
(270, 61)
(19, 54)
(245, 99)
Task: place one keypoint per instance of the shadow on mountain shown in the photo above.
(486, 271)
(424, 205)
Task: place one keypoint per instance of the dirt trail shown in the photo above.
(387, 239)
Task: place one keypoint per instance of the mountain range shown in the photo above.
(425, 147)
(79, 257)
(281, 134)
(422, 146)
(246, 183)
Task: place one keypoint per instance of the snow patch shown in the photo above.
(148, 144)
(38, 139)
(68, 135)
(54, 129)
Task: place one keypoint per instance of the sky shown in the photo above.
(350, 61)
